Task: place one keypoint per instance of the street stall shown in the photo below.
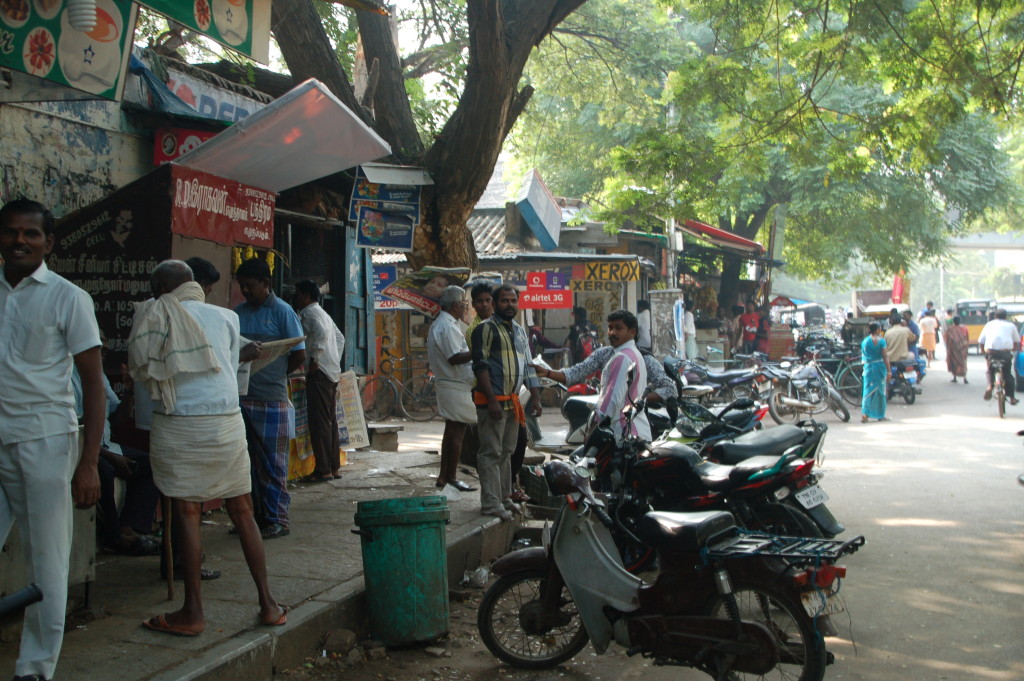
(217, 201)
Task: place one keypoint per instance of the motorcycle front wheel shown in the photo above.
(516, 629)
(802, 655)
(835, 403)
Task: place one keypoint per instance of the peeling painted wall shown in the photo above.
(68, 154)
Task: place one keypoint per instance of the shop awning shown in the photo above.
(304, 135)
(721, 238)
(384, 173)
(540, 211)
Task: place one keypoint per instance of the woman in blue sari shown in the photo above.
(876, 374)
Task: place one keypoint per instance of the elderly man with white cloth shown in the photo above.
(186, 353)
(449, 357)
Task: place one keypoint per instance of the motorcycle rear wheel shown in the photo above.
(909, 396)
(506, 620)
(780, 413)
(802, 655)
(785, 521)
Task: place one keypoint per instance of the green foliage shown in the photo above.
(869, 120)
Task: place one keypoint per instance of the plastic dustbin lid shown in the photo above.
(406, 511)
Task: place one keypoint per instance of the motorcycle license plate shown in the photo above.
(812, 496)
(821, 603)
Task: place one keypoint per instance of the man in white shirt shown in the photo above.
(324, 347)
(47, 324)
(186, 353)
(999, 339)
(643, 325)
(449, 357)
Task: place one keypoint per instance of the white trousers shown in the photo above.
(35, 492)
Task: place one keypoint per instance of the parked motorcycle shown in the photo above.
(724, 602)
(726, 386)
(802, 389)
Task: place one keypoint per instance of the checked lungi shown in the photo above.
(274, 423)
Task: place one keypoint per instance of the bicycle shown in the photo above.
(383, 392)
(998, 389)
(849, 379)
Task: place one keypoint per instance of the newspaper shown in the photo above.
(271, 350)
(350, 412)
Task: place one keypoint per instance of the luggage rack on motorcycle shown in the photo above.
(797, 549)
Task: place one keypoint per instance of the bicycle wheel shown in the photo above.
(802, 654)
(419, 400)
(850, 384)
(378, 397)
(1000, 394)
(516, 628)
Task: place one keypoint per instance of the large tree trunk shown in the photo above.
(746, 225)
(462, 158)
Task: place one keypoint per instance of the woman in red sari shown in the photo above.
(956, 349)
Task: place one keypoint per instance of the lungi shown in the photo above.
(455, 401)
(199, 458)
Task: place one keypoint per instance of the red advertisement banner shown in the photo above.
(204, 206)
(545, 300)
(170, 143)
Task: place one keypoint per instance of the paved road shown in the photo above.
(938, 592)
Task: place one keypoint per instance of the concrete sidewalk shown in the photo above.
(316, 571)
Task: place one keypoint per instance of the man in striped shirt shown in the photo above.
(500, 350)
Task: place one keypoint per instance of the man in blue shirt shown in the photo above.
(265, 317)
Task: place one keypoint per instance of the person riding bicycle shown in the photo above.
(999, 339)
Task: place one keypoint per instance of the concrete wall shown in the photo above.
(69, 154)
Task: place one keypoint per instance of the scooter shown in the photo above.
(724, 602)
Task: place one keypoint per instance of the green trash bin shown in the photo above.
(405, 567)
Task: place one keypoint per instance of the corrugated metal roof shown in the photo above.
(487, 225)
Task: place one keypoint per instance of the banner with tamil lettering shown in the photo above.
(242, 25)
(206, 206)
(37, 38)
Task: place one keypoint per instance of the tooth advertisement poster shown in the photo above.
(242, 25)
(37, 38)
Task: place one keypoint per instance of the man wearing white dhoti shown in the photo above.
(186, 353)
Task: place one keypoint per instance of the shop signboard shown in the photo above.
(206, 206)
(242, 25)
(384, 229)
(543, 299)
(384, 276)
(609, 271)
(37, 38)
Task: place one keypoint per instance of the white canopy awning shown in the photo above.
(304, 135)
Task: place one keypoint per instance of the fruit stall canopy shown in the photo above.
(304, 135)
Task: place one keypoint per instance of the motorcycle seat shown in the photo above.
(723, 376)
(683, 531)
(905, 364)
(720, 478)
(758, 442)
(733, 418)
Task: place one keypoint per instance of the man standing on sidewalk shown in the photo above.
(324, 349)
(449, 357)
(47, 324)
(265, 317)
(500, 351)
(186, 353)
(999, 339)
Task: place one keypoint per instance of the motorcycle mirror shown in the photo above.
(583, 472)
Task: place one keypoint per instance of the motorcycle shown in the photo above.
(726, 386)
(724, 602)
(801, 389)
(904, 381)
